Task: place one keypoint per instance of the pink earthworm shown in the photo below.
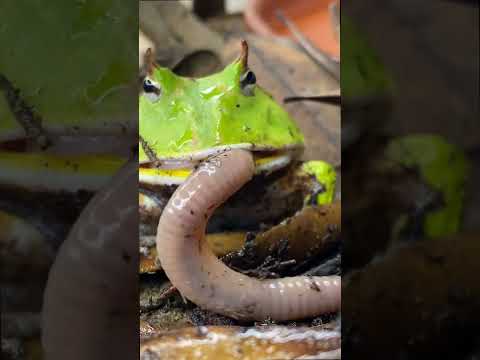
(203, 279)
(90, 308)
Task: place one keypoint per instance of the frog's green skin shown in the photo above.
(72, 90)
(195, 118)
(325, 175)
(444, 168)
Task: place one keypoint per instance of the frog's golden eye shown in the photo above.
(247, 83)
(151, 89)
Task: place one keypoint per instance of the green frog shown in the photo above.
(184, 121)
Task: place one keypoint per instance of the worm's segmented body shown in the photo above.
(205, 280)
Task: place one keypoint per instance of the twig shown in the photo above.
(334, 10)
(328, 99)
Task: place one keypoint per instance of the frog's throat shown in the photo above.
(183, 160)
(174, 172)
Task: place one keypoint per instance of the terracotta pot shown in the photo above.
(312, 17)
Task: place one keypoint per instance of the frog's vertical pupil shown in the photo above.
(251, 78)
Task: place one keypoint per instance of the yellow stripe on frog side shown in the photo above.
(177, 176)
(271, 163)
(163, 177)
(48, 172)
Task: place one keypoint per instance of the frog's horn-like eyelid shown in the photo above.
(243, 58)
(150, 62)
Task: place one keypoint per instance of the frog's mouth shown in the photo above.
(175, 171)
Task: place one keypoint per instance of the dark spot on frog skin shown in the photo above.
(192, 212)
(238, 105)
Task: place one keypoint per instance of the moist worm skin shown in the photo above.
(202, 278)
(91, 300)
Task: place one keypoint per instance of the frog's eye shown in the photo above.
(151, 89)
(247, 83)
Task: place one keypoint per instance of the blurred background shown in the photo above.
(410, 174)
